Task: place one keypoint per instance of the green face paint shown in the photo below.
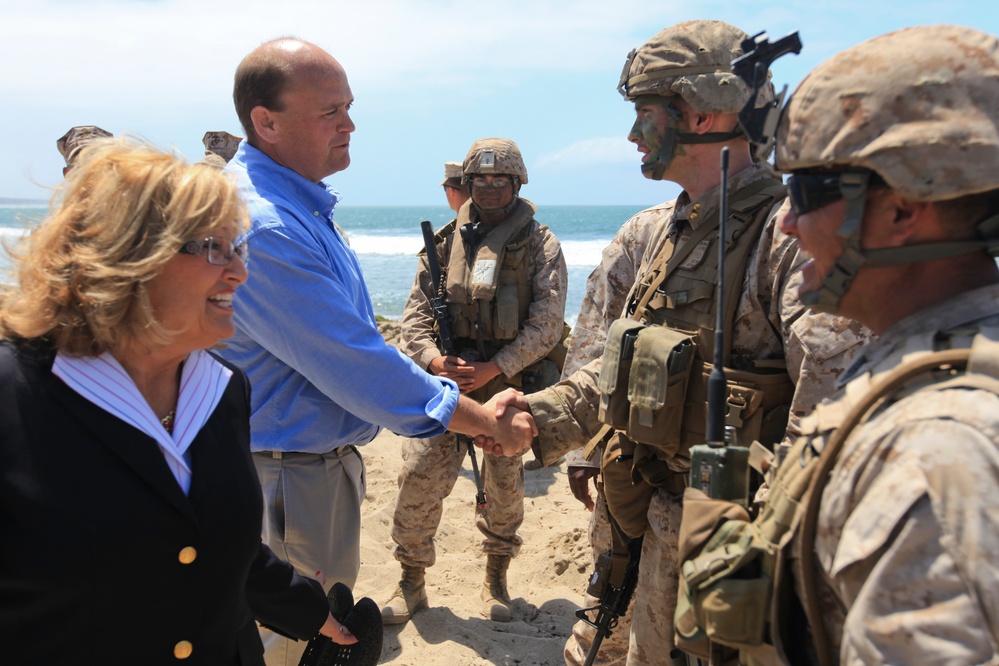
(654, 132)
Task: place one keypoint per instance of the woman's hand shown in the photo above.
(337, 632)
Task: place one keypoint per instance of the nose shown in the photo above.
(789, 223)
(635, 134)
(348, 123)
(236, 271)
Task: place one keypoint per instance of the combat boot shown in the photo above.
(497, 606)
(409, 596)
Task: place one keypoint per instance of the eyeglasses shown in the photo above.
(494, 182)
(811, 191)
(216, 250)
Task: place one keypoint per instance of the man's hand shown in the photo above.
(515, 428)
(468, 375)
(579, 484)
(511, 397)
(454, 368)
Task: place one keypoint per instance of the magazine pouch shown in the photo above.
(657, 387)
(615, 367)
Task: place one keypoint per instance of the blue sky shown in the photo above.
(429, 78)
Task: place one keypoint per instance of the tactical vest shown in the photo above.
(489, 293)
(737, 582)
(653, 379)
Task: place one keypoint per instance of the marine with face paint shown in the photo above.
(899, 216)
(780, 360)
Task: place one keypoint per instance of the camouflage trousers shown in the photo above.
(429, 472)
(654, 603)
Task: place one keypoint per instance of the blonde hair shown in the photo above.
(123, 213)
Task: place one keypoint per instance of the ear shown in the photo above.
(912, 221)
(264, 123)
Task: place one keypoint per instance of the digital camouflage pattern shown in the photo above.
(919, 110)
(691, 59)
(432, 466)
(770, 323)
(906, 535)
(507, 159)
(221, 144)
(607, 290)
(452, 174)
(70, 143)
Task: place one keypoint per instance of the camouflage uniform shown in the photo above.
(607, 290)
(432, 465)
(70, 143)
(913, 499)
(883, 513)
(531, 269)
(219, 148)
(816, 348)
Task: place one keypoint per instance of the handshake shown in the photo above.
(503, 426)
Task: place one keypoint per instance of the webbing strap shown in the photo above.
(957, 359)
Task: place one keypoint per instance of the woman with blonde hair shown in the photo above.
(130, 511)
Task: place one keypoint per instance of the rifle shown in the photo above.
(613, 583)
(446, 340)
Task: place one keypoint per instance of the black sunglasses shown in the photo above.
(811, 191)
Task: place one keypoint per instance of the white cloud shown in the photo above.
(603, 151)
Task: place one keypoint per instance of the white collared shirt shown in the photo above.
(103, 381)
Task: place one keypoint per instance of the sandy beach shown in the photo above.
(546, 580)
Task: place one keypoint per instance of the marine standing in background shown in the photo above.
(324, 380)
(687, 102)
(895, 555)
(70, 143)
(607, 290)
(505, 290)
(455, 187)
(220, 147)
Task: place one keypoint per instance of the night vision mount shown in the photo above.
(760, 124)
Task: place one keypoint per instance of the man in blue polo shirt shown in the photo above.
(324, 381)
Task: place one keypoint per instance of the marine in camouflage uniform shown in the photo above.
(219, 148)
(70, 143)
(495, 233)
(607, 290)
(682, 86)
(898, 562)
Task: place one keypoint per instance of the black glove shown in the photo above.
(364, 620)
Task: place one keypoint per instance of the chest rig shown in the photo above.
(653, 379)
(738, 577)
(489, 291)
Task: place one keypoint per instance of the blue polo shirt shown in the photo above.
(322, 375)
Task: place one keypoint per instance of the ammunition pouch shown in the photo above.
(757, 404)
(643, 382)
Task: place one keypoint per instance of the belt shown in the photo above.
(281, 455)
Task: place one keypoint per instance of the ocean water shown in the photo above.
(387, 238)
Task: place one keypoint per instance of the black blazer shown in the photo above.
(95, 530)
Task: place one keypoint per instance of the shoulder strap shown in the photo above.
(953, 359)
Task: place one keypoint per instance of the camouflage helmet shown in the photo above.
(919, 107)
(494, 156)
(916, 110)
(221, 143)
(70, 143)
(692, 59)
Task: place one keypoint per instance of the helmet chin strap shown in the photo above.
(672, 138)
(837, 281)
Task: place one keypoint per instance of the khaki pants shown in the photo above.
(312, 518)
